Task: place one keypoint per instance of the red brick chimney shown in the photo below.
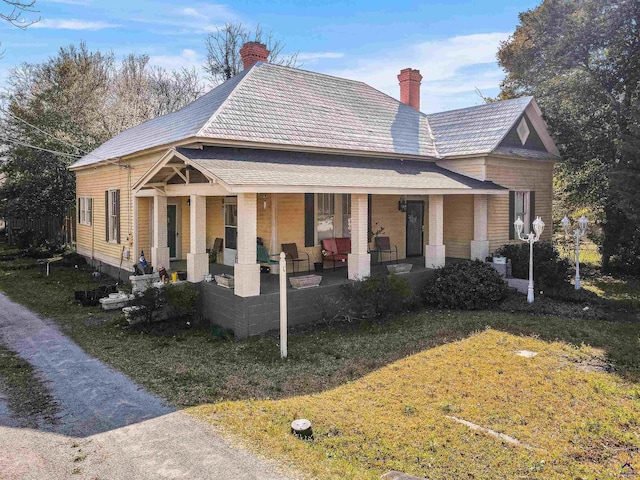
(410, 87)
(252, 52)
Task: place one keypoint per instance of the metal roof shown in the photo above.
(475, 130)
(252, 167)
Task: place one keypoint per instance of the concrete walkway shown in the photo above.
(109, 428)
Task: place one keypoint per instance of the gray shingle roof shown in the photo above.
(238, 167)
(475, 130)
(279, 105)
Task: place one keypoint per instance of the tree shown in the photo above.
(57, 111)
(581, 60)
(14, 14)
(223, 50)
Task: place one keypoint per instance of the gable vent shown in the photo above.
(523, 131)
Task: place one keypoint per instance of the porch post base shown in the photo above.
(197, 266)
(160, 258)
(479, 250)
(434, 256)
(246, 279)
(359, 266)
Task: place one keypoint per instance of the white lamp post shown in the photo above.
(578, 233)
(531, 238)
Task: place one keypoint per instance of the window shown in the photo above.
(84, 210)
(231, 224)
(521, 209)
(112, 211)
(333, 216)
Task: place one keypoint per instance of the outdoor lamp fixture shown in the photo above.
(531, 238)
(402, 205)
(264, 201)
(578, 233)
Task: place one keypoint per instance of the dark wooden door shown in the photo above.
(172, 223)
(415, 228)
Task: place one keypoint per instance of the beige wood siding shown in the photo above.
(472, 167)
(384, 211)
(144, 228)
(518, 175)
(93, 182)
(458, 225)
(215, 220)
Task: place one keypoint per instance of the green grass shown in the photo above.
(190, 367)
(625, 292)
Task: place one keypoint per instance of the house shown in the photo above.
(294, 156)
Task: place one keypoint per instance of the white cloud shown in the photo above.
(449, 67)
(72, 24)
(312, 57)
(196, 19)
(188, 58)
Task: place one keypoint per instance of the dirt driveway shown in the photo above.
(104, 425)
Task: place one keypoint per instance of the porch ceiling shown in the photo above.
(265, 171)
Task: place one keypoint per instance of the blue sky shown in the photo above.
(452, 43)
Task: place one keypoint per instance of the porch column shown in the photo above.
(247, 270)
(434, 251)
(197, 258)
(160, 249)
(359, 260)
(480, 244)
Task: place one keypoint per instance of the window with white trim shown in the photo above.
(113, 216)
(85, 205)
(333, 216)
(521, 209)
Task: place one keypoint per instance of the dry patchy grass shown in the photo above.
(583, 422)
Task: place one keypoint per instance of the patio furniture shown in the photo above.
(336, 250)
(383, 245)
(291, 254)
(264, 259)
(218, 247)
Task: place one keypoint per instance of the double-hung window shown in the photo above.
(84, 210)
(333, 216)
(521, 204)
(112, 212)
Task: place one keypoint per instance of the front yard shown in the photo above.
(380, 393)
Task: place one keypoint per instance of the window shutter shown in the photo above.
(90, 210)
(79, 211)
(368, 215)
(106, 214)
(117, 202)
(512, 212)
(532, 208)
(309, 220)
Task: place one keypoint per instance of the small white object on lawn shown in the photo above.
(526, 353)
(302, 428)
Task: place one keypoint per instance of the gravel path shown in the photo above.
(108, 428)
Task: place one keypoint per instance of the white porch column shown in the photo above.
(434, 251)
(197, 258)
(359, 260)
(160, 249)
(247, 270)
(480, 244)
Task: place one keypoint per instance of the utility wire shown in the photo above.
(18, 142)
(42, 131)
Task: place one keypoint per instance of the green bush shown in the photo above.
(373, 297)
(468, 285)
(167, 303)
(549, 270)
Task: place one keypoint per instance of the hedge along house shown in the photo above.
(293, 156)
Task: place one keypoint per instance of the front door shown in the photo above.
(415, 228)
(172, 232)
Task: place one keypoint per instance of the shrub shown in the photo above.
(468, 285)
(549, 270)
(182, 298)
(373, 297)
(166, 303)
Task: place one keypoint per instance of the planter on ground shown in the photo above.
(305, 281)
(139, 283)
(400, 268)
(224, 280)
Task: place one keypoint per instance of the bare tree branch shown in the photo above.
(17, 8)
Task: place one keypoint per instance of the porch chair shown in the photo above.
(383, 245)
(218, 247)
(291, 254)
(336, 250)
(264, 259)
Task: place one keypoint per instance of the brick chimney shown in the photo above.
(410, 87)
(252, 52)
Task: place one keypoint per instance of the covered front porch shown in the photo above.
(230, 200)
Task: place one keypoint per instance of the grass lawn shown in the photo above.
(379, 393)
